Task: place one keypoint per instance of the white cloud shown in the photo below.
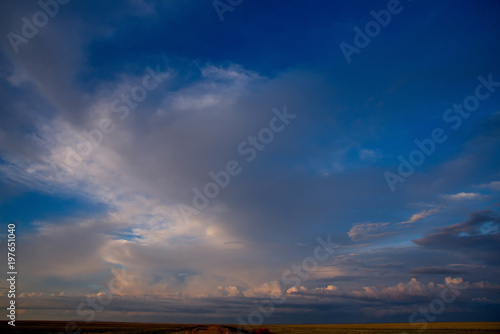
(267, 289)
(228, 291)
(328, 289)
(140, 226)
(401, 291)
(294, 289)
(463, 196)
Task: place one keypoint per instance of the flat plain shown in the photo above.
(58, 327)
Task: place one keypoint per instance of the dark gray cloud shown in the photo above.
(481, 232)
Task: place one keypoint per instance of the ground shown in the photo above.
(58, 327)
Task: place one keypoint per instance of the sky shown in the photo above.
(252, 161)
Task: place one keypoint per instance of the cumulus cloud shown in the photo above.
(229, 291)
(314, 292)
(401, 291)
(265, 290)
(414, 289)
(328, 289)
(295, 289)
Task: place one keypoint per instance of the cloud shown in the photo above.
(414, 288)
(295, 289)
(265, 290)
(63, 242)
(363, 231)
(328, 289)
(401, 291)
(438, 271)
(421, 215)
(229, 291)
(462, 196)
(64, 81)
(142, 229)
(478, 236)
(482, 226)
(494, 185)
(319, 291)
(370, 155)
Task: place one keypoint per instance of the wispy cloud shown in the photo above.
(494, 185)
(462, 196)
(363, 231)
(421, 215)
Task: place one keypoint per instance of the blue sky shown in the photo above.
(115, 116)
